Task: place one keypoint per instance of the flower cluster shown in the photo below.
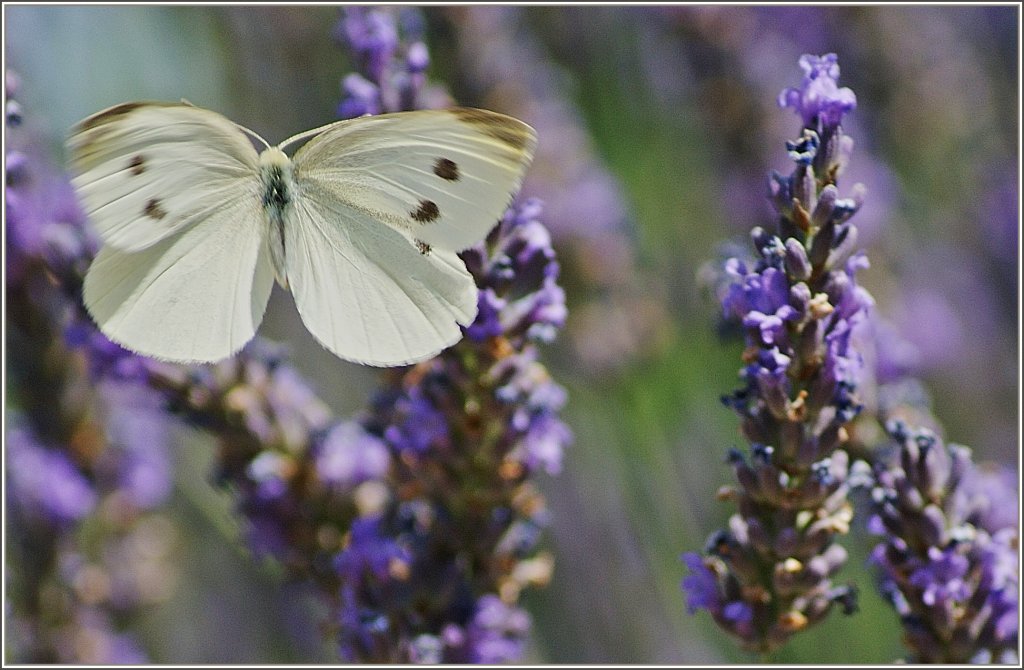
(770, 574)
(87, 467)
(391, 62)
(949, 559)
(444, 538)
(434, 573)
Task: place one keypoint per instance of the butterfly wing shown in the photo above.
(146, 170)
(363, 289)
(442, 177)
(194, 296)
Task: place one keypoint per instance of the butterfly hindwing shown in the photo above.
(366, 292)
(442, 177)
(146, 170)
(197, 295)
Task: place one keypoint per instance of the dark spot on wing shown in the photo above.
(423, 247)
(153, 210)
(137, 165)
(446, 168)
(512, 132)
(426, 212)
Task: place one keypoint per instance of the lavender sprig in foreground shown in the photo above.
(770, 574)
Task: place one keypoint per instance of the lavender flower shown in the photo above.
(769, 575)
(391, 62)
(87, 466)
(465, 431)
(819, 100)
(949, 568)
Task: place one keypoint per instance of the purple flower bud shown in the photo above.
(497, 631)
(701, 585)
(805, 189)
(44, 481)
(804, 150)
(348, 456)
(797, 264)
(488, 318)
(417, 57)
(819, 100)
(361, 97)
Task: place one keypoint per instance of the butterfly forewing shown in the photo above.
(147, 170)
(364, 291)
(442, 177)
(197, 295)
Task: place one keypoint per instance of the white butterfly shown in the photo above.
(362, 225)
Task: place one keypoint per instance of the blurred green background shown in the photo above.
(670, 113)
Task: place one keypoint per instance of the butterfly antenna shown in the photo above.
(252, 134)
(309, 133)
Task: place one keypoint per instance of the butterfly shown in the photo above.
(362, 225)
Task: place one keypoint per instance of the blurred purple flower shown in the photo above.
(137, 429)
(76, 450)
(391, 58)
(941, 579)
(44, 481)
(819, 100)
(497, 632)
(372, 37)
(701, 585)
(349, 456)
(423, 428)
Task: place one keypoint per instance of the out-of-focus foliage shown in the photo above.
(658, 130)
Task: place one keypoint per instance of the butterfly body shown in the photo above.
(277, 185)
(362, 225)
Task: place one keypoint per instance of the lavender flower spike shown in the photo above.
(949, 568)
(465, 431)
(769, 575)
